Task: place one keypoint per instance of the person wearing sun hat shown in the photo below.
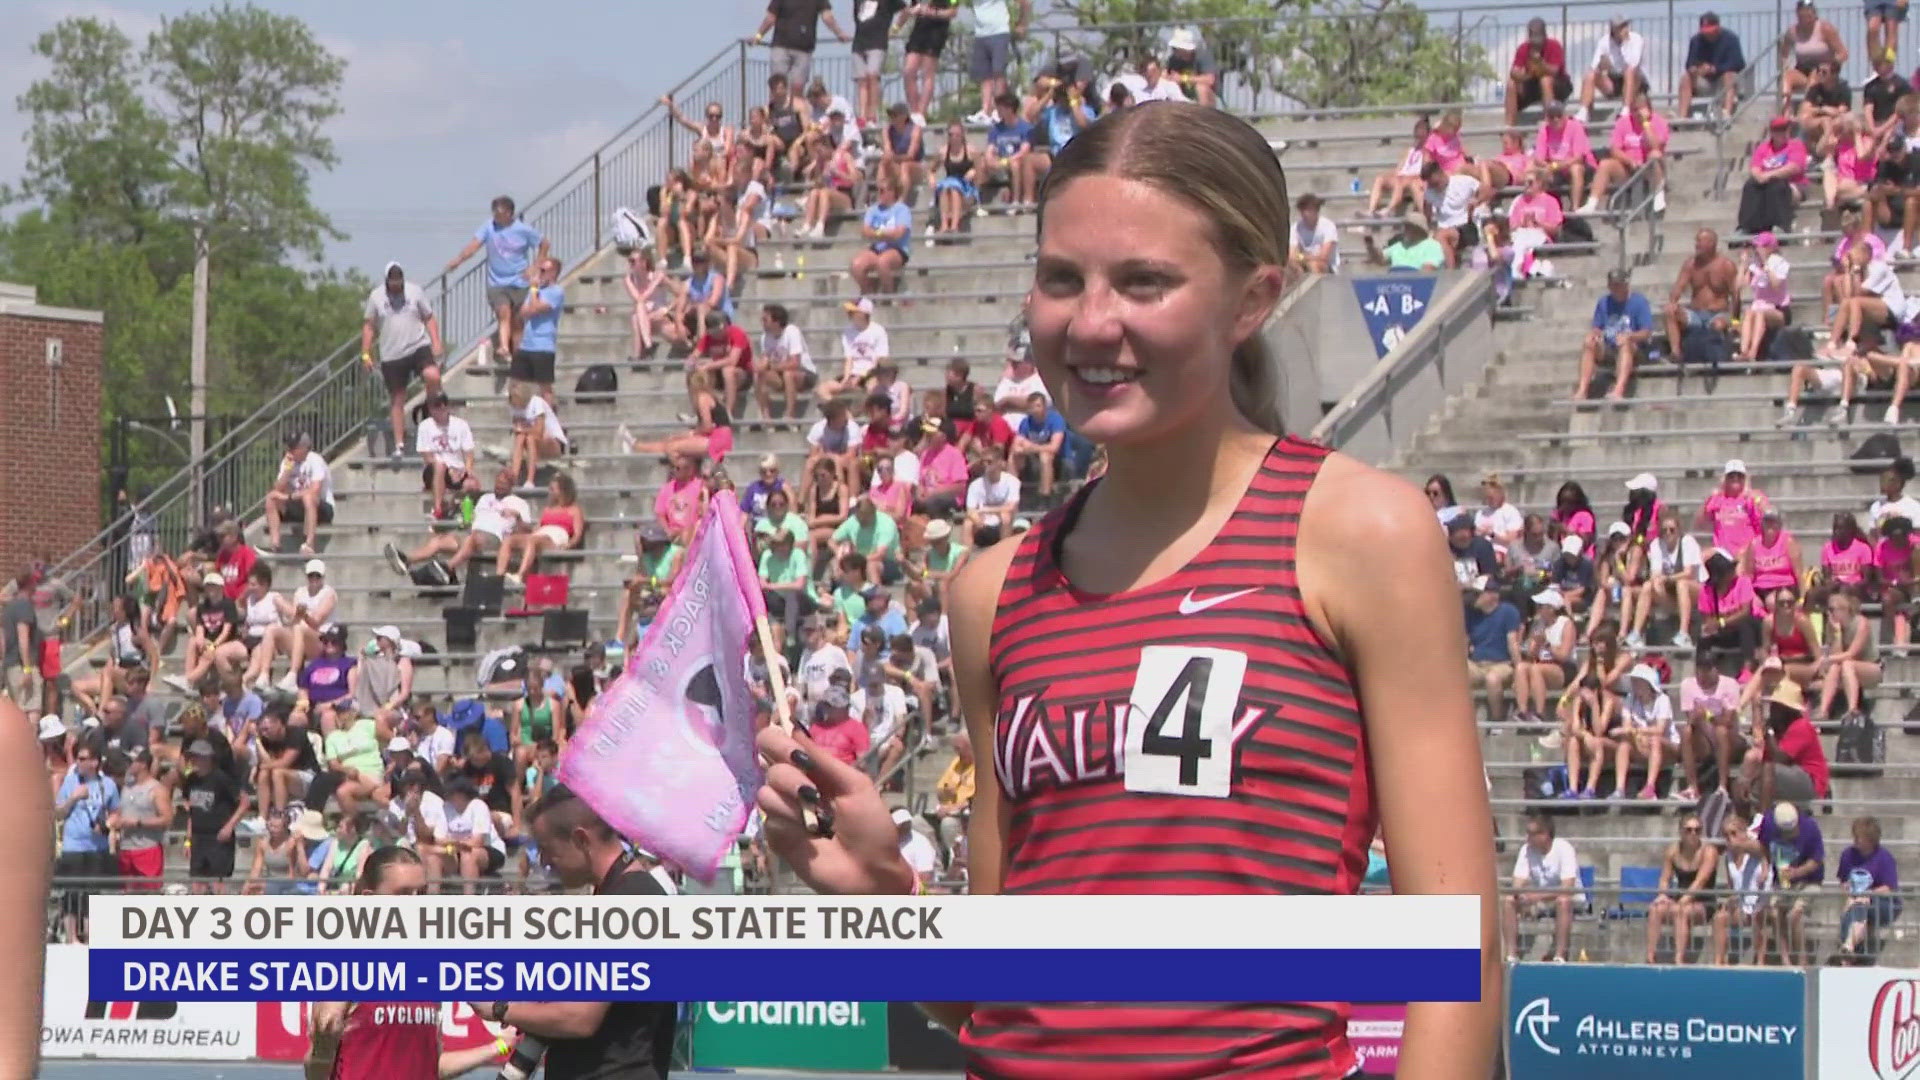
(1542, 657)
(863, 344)
(1644, 731)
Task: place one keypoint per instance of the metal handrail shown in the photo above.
(1426, 344)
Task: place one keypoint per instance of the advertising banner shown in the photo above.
(1869, 1023)
(1596, 1022)
(1392, 307)
(1374, 1031)
(845, 1035)
(75, 1027)
(282, 1029)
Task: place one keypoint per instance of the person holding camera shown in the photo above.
(85, 799)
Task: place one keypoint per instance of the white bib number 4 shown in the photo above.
(1180, 721)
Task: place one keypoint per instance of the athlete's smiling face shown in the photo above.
(1134, 315)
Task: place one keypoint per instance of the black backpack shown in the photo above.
(1878, 447)
(1791, 343)
(432, 574)
(598, 379)
(1703, 346)
(1860, 741)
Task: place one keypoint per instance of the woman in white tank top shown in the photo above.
(313, 606)
(263, 626)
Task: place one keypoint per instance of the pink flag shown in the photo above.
(666, 753)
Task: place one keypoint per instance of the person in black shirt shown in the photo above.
(287, 763)
(495, 781)
(794, 34)
(1714, 61)
(1882, 92)
(872, 22)
(1473, 556)
(215, 805)
(215, 644)
(1828, 99)
(194, 727)
(632, 1040)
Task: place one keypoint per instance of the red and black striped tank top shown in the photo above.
(1192, 736)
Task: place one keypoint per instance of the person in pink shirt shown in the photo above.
(1562, 146)
(1709, 723)
(1510, 166)
(1730, 614)
(1765, 273)
(1895, 565)
(1734, 511)
(1772, 560)
(1852, 156)
(1443, 147)
(1847, 556)
(1639, 138)
(1536, 207)
(682, 499)
(943, 471)
(1776, 180)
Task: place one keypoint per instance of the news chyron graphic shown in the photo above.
(634, 948)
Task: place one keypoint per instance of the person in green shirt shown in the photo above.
(846, 598)
(783, 579)
(353, 750)
(938, 560)
(781, 518)
(659, 555)
(870, 534)
(1414, 249)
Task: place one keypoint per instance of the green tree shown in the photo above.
(216, 122)
(1317, 53)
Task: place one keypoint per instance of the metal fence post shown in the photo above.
(598, 211)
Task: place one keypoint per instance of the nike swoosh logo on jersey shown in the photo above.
(1190, 606)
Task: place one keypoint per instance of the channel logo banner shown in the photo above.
(571, 948)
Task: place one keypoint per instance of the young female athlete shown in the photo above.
(387, 1040)
(1228, 597)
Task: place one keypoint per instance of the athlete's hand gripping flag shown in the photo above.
(666, 755)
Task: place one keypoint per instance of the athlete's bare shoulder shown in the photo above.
(1364, 534)
(973, 593)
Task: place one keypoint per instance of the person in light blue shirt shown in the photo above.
(888, 228)
(1062, 116)
(705, 290)
(512, 246)
(85, 800)
(1622, 326)
(1039, 438)
(533, 362)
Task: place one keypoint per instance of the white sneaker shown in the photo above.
(1893, 415)
(1789, 417)
(1591, 206)
(1580, 115)
(1660, 201)
(1682, 641)
(289, 683)
(919, 119)
(626, 439)
(1897, 251)
(178, 682)
(980, 119)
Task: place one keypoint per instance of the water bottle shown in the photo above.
(524, 1060)
(1354, 185)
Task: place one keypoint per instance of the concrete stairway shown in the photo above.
(1520, 422)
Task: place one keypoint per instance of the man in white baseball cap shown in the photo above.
(914, 846)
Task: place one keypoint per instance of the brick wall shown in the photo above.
(49, 437)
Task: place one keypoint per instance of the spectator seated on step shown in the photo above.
(1538, 72)
(1869, 879)
(1413, 251)
(1895, 193)
(496, 515)
(1713, 66)
(1491, 626)
(1792, 836)
(537, 434)
(562, 526)
(1561, 147)
(836, 730)
(1617, 340)
(1451, 198)
(1776, 180)
(1498, 520)
(1850, 161)
(1638, 141)
(1037, 442)
(1390, 189)
(1316, 242)
(1474, 559)
(1765, 274)
(953, 794)
(872, 535)
(1827, 102)
(1702, 296)
(1573, 574)
(1546, 882)
(1528, 562)
(1616, 72)
(303, 490)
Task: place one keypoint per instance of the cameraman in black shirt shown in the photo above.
(591, 1040)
